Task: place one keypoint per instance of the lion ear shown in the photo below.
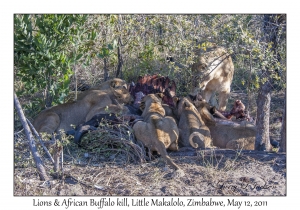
(159, 95)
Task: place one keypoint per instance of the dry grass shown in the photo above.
(110, 162)
(249, 177)
(93, 170)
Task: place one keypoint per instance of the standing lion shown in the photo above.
(213, 73)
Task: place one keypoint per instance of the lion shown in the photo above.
(157, 131)
(63, 116)
(226, 133)
(171, 111)
(115, 114)
(112, 83)
(111, 108)
(115, 82)
(233, 135)
(215, 70)
(191, 125)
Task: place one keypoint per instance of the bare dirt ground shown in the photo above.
(228, 173)
(120, 172)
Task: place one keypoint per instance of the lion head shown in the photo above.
(151, 98)
(122, 95)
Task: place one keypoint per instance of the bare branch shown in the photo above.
(32, 146)
(41, 141)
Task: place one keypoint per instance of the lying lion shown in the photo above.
(112, 108)
(233, 135)
(112, 83)
(115, 82)
(191, 125)
(226, 133)
(158, 132)
(213, 72)
(74, 113)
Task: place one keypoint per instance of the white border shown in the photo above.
(8, 8)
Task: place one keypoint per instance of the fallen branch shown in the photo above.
(41, 141)
(36, 156)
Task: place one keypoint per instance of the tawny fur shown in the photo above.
(74, 113)
(233, 135)
(213, 72)
(170, 111)
(225, 133)
(115, 82)
(191, 126)
(112, 83)
(157, 131)
(112, 108)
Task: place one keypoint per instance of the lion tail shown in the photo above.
(197, 134)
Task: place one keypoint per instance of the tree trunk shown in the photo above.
(32, 146)
(262, 141)
(283, 129)
(270, 28)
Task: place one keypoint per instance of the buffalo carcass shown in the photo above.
(153, 84)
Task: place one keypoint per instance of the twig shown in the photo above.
(108, 181)
(17, 132)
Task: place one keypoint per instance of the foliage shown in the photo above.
(43, 56)
(49, 49)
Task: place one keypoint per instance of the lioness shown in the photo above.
(233, 135)
(191, 125)
(112, 108)
(225, 133)
(158, 132)
(63, 115)
(215, 70)
(112, 83)
(115, 82)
